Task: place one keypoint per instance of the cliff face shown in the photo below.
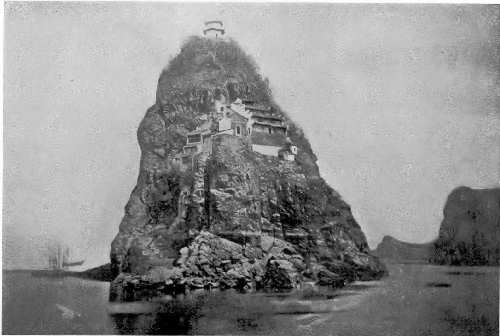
(396, 250)
(470, 231)
(237, 217)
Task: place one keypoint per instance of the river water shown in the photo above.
(413, 300)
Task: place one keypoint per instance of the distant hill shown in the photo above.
(469, 233)
(396, 250)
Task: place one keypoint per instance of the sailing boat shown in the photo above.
(59, 262)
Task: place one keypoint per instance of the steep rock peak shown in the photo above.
(229, 191)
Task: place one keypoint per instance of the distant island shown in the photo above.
(470, 231)
(394, 250)
(468, 236)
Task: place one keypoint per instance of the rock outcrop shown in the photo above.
(470, 231)
(395, 250)
(235, 218)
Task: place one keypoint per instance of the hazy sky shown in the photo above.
(400, 103)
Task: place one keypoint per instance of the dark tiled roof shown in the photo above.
(258, 108)
(269, 124)
(216, 29)
(202, 129)
(260, 138)
(267, 116)
(214, 21)
(195, 132)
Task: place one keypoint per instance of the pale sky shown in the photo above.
(400, 104)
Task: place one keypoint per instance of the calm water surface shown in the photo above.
(412, 300)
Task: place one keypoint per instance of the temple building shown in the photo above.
(232, 123)
(289, 151)
(263, 129)
(198, 138)
(267, 130)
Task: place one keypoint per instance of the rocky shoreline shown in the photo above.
(212, 262)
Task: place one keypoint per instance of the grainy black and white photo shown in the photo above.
(251, 168)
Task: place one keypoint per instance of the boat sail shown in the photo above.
(59, 258)
(59, 261)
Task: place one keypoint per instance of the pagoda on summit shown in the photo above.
(214, 29)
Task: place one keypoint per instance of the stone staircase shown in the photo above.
(199, 185)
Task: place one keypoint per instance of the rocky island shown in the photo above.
(229, 194)
(395, 250)
(470, 231)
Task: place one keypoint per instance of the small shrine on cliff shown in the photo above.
(214, 29)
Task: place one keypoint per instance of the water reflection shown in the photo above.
(197, 313)
(155, 323)
(223, 312)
